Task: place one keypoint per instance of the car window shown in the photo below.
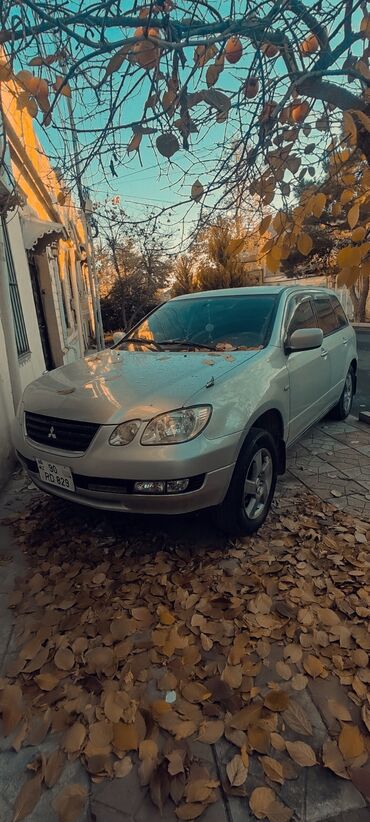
(326, 318)
(303, 317)
(243, 321)
(339, 313)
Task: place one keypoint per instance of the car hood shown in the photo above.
(113, 386)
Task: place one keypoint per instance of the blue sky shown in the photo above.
(143, 182)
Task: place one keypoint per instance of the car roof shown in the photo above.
(254, 290)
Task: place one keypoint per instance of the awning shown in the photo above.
(37, 234)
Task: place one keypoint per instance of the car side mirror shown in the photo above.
(117, 337)
(304, 339)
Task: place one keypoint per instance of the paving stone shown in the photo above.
(101, 813)
(328, 795)
(359, 815)
(13, 773)
(321, 691)
(353, 504)
(125, 795)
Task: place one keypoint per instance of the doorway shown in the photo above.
(40, 313)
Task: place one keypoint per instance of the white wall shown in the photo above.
(32, 364)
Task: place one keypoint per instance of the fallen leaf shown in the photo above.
(339, 711)
(237, 770)
(74, 738)
(313, 666)
(283, 669)
(53, 768)
(123, 767)
(125, 737)
(299, 682)
(159, 787)
(199, 790)
(259, 739)
(295, 716)
(277, 700)
(278, 812)
(211, 731)
(148, 749)
(351, 742)
(195, 692)
(176, 762)
(64, 659)
(47, 682)
(70, 803)
(277, 741)
(301, 753)
(293, 653)
(27, 798)
(332, 758)
(272, 769)
(260, 800)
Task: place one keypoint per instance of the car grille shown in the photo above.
(68, 435)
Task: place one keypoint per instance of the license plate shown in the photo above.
(54, 474)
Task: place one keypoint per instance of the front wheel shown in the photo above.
(343, 407)
(252, 486)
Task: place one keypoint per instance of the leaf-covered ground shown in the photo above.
(130, 650)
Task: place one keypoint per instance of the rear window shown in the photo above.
(326, 318)
(339, 313)
(242, 321)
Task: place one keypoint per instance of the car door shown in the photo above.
(342, 362)
(309, 371)
(333, 344)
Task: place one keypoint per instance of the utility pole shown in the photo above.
(90, 256)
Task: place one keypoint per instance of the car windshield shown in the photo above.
(240, 321)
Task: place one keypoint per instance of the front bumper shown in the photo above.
(104, 476)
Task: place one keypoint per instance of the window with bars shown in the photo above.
(18, 316)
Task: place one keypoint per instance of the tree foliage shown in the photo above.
(274, 82)
(220, 254)
(132, 271)
(184, 276)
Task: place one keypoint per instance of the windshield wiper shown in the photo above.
(141, 341)
(189, 344)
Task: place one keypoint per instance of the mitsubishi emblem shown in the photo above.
(52, 435)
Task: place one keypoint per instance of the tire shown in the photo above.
(343, 407)
(240, 514)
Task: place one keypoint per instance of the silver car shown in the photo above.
(195, 407)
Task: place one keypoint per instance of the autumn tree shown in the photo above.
(132, 270)
(273, 82)
(219, 251)
(334, 232)
(184, 282)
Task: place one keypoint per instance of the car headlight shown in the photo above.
(125, 432)
(177, 426)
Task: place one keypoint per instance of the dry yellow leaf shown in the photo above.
(211, 731)
(74, 738)
(351, 742)
(148, 749)
(70, 803)
(283, 669)
(313, 666)
(277, 700)
(296, 718)
(272, 769)
(64, 659)
(293, 653)
(122, 767)
(237, 770)
(125, 737)
(304, 243)
(353, 215)
(260, 800)
(339, 711)
(27, 798)
(277, 741)
(195, 692)
(101, 733)
(332, 758)
(259, 739)
(301, 753)
(299, 682)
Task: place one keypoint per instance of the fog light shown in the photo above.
(176, 486)
(150, 487)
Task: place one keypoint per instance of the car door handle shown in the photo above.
(345, 341)
(324, 352)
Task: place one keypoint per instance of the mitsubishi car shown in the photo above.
(195, 407)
